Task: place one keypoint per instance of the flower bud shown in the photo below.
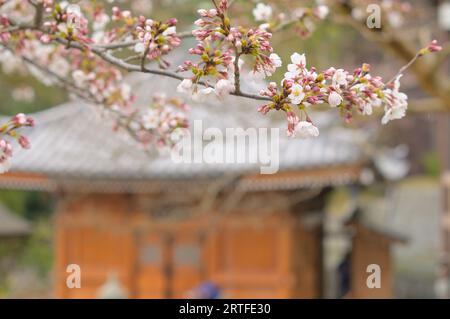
(24, 142)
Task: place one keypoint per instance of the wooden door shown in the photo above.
(252, 261)
(152, 272)
(171, 262)
(99, 252)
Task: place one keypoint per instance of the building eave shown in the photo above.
(282, 181)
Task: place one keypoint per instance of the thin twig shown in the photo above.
(127, 44)
(144, 57)
(132, 57)
(10, 29)
(404, 68)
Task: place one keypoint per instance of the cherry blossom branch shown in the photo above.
(63, 82)
(70, 46)
(432, 47)
(98, 48)
(434, 82)
(441, 58)
(102, 51)
(134, 68)
(127, 122)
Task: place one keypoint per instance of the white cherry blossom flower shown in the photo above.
(5, 155)
(396, 103)
(150, 120)
(60, 66)
(322, 11)
(185, 86)
(23, 94)
(170, 31)
(393, 113)
(5, 165)
(256, 76)
(367, 108)
(79, 78)
(306, 129)
(262, 12)
(358, 14)
(334, 99)
(276, 60)
(297, 67)
(224, 88)
(297, 95)
(264, 26)
(395, 19)
(339, 78)
(100, 22)
(202, 95)
(125, 91)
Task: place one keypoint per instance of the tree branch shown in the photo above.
(81, 93)
(38, 15)
(237, 72)
(135, 68)
(435, 83)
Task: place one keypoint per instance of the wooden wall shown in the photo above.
(268, 256)
(94, 233)
(370, 247)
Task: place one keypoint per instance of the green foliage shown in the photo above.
(38, 252)
(431, 164)
(33, 252)
(31, 205)
(45, 96)
(11, 250)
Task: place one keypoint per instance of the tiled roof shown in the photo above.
(70, 141)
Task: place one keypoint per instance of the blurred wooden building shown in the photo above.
(163, 228)
(370, 253)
